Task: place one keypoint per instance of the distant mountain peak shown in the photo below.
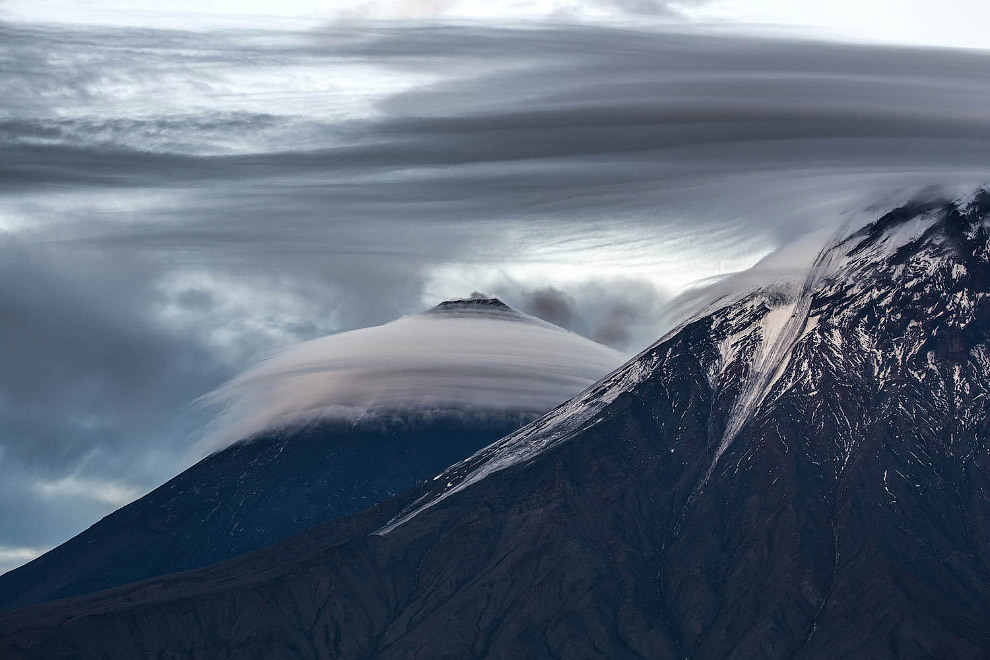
(478, 305)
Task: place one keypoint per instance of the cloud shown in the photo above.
(614, 330)
(13, 556)
(626, 314)
(106, 492)
(550, 304)
(175, 203)
(301, 14)
(478, 360)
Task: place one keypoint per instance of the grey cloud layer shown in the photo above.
(175, 203)
(422, 362)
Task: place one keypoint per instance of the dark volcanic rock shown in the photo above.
(477, 306)
(802, 473)
(254, 494)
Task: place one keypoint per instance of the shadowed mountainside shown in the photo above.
(250, 495)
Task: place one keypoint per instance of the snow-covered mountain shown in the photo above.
(802, 471)
(768, 342)
(325, 429)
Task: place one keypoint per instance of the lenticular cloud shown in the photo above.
(472, 355)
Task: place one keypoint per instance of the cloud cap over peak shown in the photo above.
(475, 355)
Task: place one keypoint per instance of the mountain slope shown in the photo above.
(250, 495)
(800, 473)
(288, 479)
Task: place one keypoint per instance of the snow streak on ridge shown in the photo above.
(577, 414)
(555, 427)
(773, 357)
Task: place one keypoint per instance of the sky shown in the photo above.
(187, 187)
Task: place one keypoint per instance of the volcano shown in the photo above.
(326, 429)
(801, 471)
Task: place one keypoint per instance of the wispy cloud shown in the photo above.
(13, 556)
(175, 202)
(107, 492)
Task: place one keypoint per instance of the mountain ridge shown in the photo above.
(848, 517)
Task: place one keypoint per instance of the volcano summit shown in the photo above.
(325, 429)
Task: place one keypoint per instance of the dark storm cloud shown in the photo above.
(174, 207)
(616, 328)
(86, 380)
(550, 304)
(614, 312)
